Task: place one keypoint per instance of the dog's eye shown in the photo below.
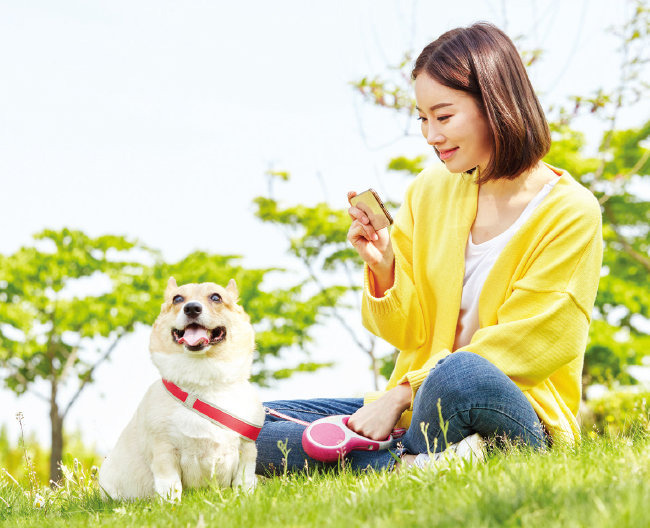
(215, 297)
(178, 299)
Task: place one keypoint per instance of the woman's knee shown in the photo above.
(458, 366)
(485, 400)
(461, 375)
(463, 360)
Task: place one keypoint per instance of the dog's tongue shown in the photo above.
(194, 335)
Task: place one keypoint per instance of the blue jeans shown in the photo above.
(474, 395)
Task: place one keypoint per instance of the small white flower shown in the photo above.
(176, 492)
(39, 501)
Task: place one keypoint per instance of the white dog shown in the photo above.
(202, 343)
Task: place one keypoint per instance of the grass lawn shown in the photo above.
(604, 482)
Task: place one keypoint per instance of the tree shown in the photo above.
(619, 334)
(48, 333)
(317, 238)
(618, 337)
(52, 334)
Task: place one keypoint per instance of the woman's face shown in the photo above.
(453, 124)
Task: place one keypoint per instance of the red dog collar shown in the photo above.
(213, 413)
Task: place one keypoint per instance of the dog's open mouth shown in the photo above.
(196, 337)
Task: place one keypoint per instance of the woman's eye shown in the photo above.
(215, 297)
(178, 299)
(443, 118)
(423, 119)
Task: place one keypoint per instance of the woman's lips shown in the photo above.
(446, 154)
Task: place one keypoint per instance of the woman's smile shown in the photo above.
(446, 154)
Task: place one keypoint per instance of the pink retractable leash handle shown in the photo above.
(329, 438)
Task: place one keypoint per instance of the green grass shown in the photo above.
(604, 482)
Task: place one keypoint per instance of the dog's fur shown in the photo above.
(166, 447)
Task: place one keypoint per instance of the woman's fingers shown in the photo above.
(356, 232)
(362, 235)
(357, 214)
(371, 421)
(358, 228)
(354, 212)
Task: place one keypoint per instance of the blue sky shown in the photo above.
(124, 117)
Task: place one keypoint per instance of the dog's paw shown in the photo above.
(246, 484)
(169, 489)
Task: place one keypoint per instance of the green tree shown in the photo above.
(317, 239)
(51, 334)
(618, 336)
(619, 332)
(48, 333)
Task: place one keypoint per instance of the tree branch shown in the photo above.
(368, 350)
(335, 311)
(639, 257)
(39, 395)
(69, 362)
(88, 375)
(637, 166)
(619, 93)
(351, 282)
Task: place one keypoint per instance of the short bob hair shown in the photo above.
(482, 61)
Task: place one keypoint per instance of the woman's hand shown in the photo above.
(377, 419)
(373, 247)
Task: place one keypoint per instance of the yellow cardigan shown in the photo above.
(535, 306)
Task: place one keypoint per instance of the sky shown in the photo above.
(157, 120)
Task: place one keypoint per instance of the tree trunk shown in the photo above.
(56, 422)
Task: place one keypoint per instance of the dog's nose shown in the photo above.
(193, 309)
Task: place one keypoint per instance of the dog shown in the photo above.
(202, 343)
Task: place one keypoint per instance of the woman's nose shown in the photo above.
(434, 137)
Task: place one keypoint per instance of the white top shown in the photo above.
(479, 259)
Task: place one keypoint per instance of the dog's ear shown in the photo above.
(171, 286)
(232, 289)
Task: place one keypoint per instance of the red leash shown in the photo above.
(213, 413)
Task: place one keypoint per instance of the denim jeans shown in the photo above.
(474, 395)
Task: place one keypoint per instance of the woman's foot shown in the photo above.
(471, 448)
(407, 460)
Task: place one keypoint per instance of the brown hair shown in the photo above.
(482, 61)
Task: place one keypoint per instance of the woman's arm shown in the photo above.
(391, 307)
(389, 286)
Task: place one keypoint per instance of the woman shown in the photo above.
(486, 282)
